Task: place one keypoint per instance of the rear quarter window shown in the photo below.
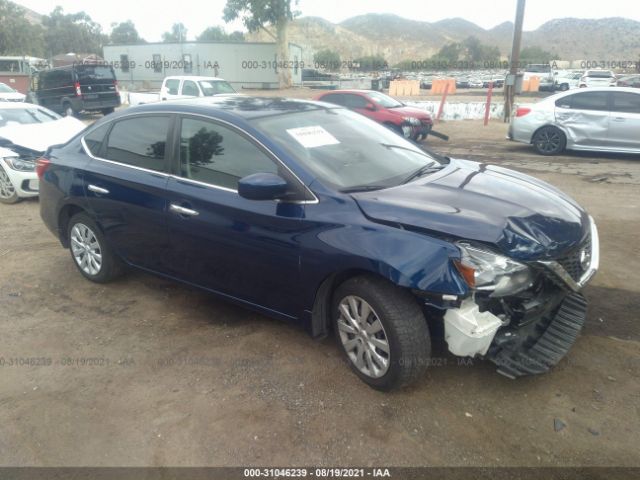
(94, 139)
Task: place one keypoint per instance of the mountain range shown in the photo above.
(396, 38)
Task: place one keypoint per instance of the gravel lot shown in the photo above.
(148, 372)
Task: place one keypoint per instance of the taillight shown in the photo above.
(522, 111)
(115, 85)
(78, 91)
(42, 164)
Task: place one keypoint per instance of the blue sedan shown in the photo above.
(311, 213)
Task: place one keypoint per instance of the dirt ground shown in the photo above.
(148, 372)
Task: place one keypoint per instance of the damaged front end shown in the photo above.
(523, 316)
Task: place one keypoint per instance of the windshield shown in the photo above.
(384, 100)
(25, 116)
(345, 150)
(217, 87)
(6, 89)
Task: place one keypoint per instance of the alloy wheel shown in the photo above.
(363, 337)
(549, 141)
(7, 190)
(86, 249)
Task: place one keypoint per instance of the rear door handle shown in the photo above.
(183, 210)
(98, 190)
(619, 119)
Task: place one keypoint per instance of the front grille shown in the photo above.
(572, 261)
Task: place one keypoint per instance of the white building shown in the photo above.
(243, 64)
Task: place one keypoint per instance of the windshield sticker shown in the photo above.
(312, 137)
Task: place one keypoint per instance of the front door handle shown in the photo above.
(619, 119)
(98, 190)
(183, 210)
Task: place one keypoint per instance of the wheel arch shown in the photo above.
(64, 217)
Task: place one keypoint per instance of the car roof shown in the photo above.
(240, 106)
(556, 96)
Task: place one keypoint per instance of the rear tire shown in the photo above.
(107, 111)
(381, 331)
(549, 141)
(90, 252)
(67, 110)
(8, 194)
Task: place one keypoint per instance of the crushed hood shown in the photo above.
(40, 136)
(521, 216)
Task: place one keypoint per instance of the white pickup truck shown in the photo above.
(186, 86)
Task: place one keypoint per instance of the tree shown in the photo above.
(327, 59)
(535, 54)
(257, 15)
(125, 33)
(17, 35)
(74, 32)
(478, 52)
(218, 34)
(178, 34)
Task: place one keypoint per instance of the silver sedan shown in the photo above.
(598, 119)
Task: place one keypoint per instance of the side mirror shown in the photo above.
(370, 106)
(262, 186)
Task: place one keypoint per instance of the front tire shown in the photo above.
(549, 141)
(381, 331)
(8, 194)
(90, 252)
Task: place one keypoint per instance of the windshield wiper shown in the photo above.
(363, 188)
(400, 147)
(424, 170)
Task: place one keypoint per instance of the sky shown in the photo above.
(197, 15)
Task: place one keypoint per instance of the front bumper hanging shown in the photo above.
(516, 359)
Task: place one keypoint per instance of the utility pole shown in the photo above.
(510, 90)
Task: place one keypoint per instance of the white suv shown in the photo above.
(598, 78)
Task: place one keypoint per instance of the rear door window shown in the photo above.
(624, 102)
(336, 98)
(356, 101)
(139, 142)
(597, 101)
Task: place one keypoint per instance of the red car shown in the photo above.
(410, 122)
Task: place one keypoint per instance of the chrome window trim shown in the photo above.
(559, 270)
(177, 177)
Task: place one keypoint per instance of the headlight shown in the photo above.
(20, 165)
(487, 271)
(411, 120)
